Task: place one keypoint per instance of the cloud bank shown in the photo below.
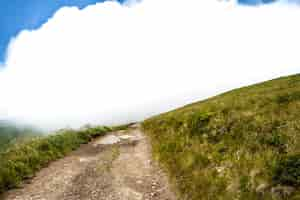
(111, 64)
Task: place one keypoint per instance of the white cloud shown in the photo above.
(110, 63)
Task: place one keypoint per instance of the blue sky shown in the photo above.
(17, 15)
(259, 2)
(255, 2)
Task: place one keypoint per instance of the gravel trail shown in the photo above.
(118, 166)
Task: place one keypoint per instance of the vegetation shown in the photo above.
(244, 144)
(10, 132)
(22, 159)
(287, 171)
(122, 127)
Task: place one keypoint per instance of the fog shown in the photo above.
(112, 63)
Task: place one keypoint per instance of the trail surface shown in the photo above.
(118, 166)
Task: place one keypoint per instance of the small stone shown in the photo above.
(254, 173)
(262, 188)
(282, 191)
(220, 169)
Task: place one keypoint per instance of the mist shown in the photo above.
(112, 64)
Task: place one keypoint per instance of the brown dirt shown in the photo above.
(105, 169)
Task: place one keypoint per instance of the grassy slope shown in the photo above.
(10, 132)
(244, 144)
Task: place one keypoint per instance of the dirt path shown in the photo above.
(115, 167)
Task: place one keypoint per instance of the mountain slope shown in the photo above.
(243, 144)
(10, 132)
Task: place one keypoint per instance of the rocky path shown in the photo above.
(115, 167)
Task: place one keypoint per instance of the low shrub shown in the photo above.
(286, 98)
(275, 140)
(197, 122)
(287, 170)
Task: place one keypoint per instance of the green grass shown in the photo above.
(11, 132)
(243, 144)
(22, 159)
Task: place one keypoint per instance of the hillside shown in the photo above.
(10, 132)
(243, 144)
